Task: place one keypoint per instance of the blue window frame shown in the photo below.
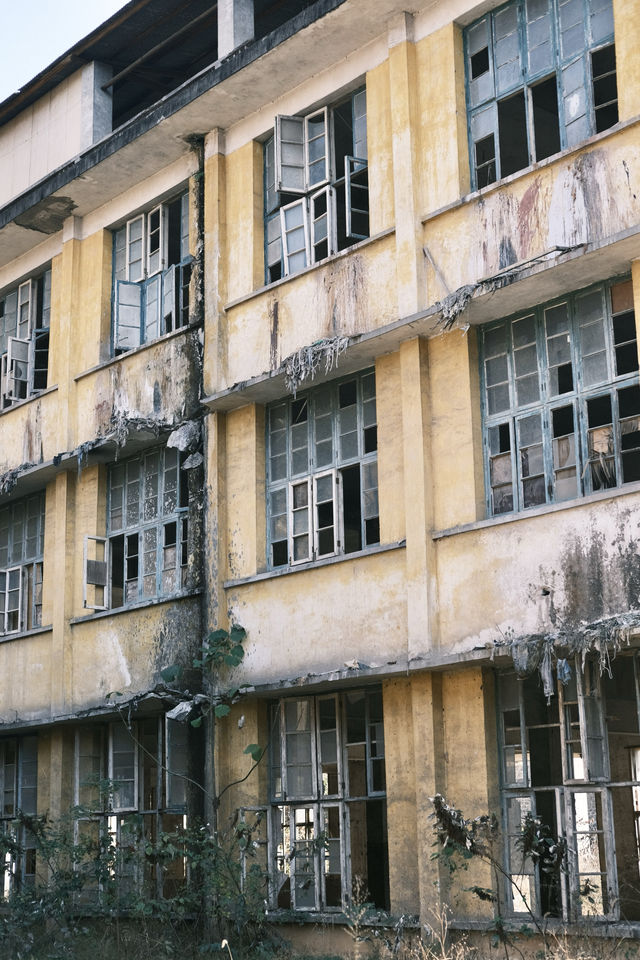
(316, 186)
(541, 77)
(322, 472)
(151, 274)
(561, 401)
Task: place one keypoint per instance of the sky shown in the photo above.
(37, 32)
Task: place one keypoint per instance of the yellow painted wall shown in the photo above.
(382, 200)
(627, 38)
(244, 211)
(245, 483)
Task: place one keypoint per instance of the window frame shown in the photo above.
(108, 560)
(26, 562)
(550, 400)
(337, 186)
(27, 309)
(572, 69)
(283, 807)
(19, 871)
(316, 467)
(156, 297)
(574, 901)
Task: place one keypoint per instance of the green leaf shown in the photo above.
(217, 636)
(169, 674)
(238, 634)
(255, 751)
(221, 710)
(197, 722)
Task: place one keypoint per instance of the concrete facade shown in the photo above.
(384, 622)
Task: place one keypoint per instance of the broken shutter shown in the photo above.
(169, 300)
(120, 254)
(17, 381)
(27, 300)
(540, 48)
(290, 155)
(574, 102)
(294, 219)
(95, 573)
(326, 539)
(571, 28)
(177, 741)
(317, 152)
(128, 315)
(356, 180)
(323, 229)
(152, 308)
(484, 139)
(300, 528)
(274, 246)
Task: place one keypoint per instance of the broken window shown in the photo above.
(327, 819)
(322, 484)
(561, 399)
(145, 551)
(129, 786)
(151, 274)
(24, 339)
(541, 77)
(316, 186)
(18, 792)
(572, 760)
(21, 565)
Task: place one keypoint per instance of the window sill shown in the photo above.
(314, 266)
(611, 494)
(380, 918)
(34, 632)
(31, 399)
(314, 564)
(484, 192)
(138, 605)
(131, 353)
(588, 927)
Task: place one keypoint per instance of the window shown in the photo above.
(541, 76)
(328, 811)
(323, 472)
(25, 314)
(561, 400)
(21, 564)
(316, 186)
(18, 791)
(144, 766)
(573, 760)
(151, 274)
(145, 552)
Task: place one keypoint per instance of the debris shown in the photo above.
(181, 712)
(304, 362)
(185, 437)
(193, 461)
(453, 304)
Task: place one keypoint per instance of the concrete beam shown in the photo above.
(235, 25)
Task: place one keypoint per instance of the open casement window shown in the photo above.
(572, 760)
(11, 600)
(151, 275)
(356, 180)
(95, 587)
(327, 818)
(561, 401)
(301, 537)
(294, 223)
(540, 78)
(18, 369)
(27, 294)
(128, 315)
(315, 177)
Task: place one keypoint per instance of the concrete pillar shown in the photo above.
(96, 104)
(235, 25)
(404, 83)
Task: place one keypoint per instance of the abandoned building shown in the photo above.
(318, 318)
